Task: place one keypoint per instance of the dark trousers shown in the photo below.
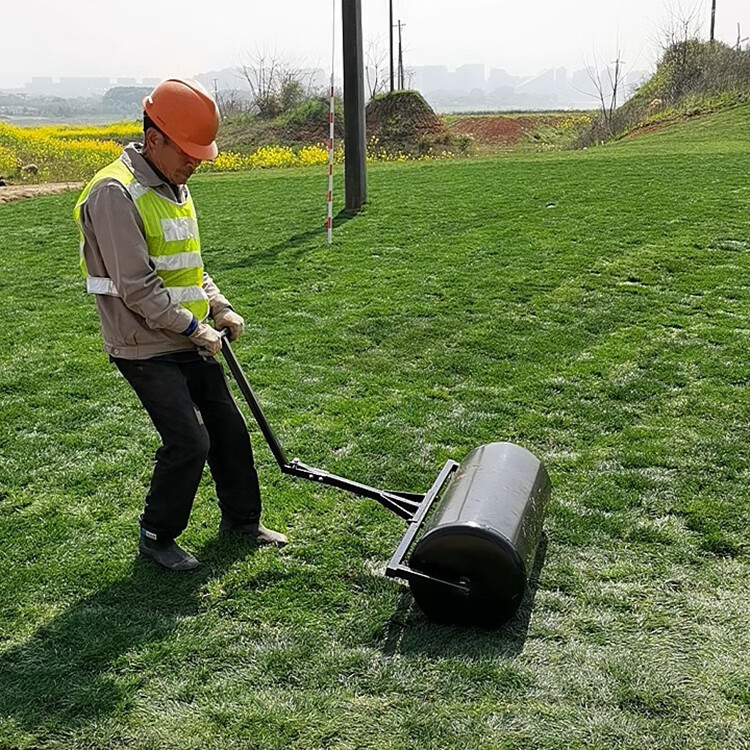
(195, 415)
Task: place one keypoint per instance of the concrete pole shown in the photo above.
(355, 143)
(401, 83)
(713, 21)
(390, 36)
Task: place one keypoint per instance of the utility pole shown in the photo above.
(740, 40)
(354, 106)
(401, 85)
(616, 83)
(713, 21)
(216, 96)
(390, 35)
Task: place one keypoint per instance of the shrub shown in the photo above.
(693, 77)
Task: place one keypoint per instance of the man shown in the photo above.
(140, 252)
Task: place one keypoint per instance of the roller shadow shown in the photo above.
(297, 241)
(409, 631)
(62, 676)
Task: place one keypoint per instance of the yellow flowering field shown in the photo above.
(268, 157)
(75, 153)
(62, 152)
(55, 156)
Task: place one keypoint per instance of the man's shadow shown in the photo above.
(60, 676)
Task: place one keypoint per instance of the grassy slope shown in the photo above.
(591, 306)
(722, 132)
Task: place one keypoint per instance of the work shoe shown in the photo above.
(168, 554)
(255, 531)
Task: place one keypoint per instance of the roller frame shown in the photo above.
(409, 506)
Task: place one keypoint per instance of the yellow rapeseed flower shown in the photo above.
(57, 156)
(63, 152)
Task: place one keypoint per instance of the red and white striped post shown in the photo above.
(329, 223)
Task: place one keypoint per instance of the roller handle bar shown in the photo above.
(252, 402)
(403, 504)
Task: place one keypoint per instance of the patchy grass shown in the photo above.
(524, 132)
(591, 306)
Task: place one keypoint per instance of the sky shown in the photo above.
(157, 38)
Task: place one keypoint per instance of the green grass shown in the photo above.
(591, 306)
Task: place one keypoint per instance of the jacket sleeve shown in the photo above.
(111, 220)
(217, 301)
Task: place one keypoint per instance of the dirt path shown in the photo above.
(9, 193)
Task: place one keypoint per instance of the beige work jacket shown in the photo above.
(143, 322)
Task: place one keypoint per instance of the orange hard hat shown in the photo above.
(187, 114)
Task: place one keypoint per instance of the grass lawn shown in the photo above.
(592, 306)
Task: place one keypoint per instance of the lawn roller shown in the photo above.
(471, 565)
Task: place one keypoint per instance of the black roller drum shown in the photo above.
(483, 533)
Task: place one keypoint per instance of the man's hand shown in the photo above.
(207, 338)
(227, 318)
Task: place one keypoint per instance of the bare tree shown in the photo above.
(682, 23)
(409, 76)
(608, 80)
(376, 67)
(277, 83)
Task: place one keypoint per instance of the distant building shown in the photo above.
(583, 86)
(469, 77)
(40, 85)
(468, 87)
(431, 78)
(74, 87)
(562, 86)
(541, 84)
(500, 79)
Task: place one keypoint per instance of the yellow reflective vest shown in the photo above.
(172, 239)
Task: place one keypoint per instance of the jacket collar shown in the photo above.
(133, 158)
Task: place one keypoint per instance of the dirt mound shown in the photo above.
(404, 121)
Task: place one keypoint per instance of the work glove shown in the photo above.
(228, 318)
(207, 339)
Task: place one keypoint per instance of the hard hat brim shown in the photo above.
(204, 153)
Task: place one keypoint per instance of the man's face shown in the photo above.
(169, 158)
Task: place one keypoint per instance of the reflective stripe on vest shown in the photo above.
(175, 262)
(172, 239)
(175, 230)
